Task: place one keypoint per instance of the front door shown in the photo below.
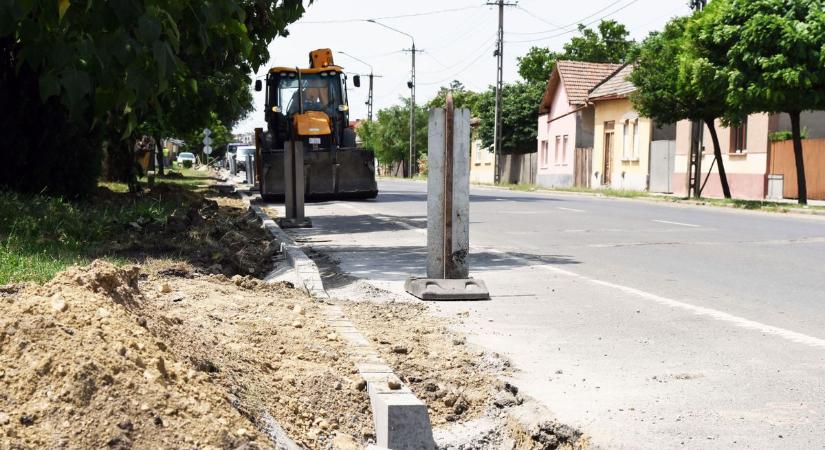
(607, 160)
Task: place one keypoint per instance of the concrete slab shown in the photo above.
(401, 422)
(355, 339)
(373, 367)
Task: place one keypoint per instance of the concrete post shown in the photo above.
(448, 210)
(250, 171)
(294, 187)
(439, 184)
(233, 165)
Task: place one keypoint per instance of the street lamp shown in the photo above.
(369, 98)
(411, 85)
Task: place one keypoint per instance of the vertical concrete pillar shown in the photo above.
(456, 266)
(250, 171)
(435, 194)
(294, 187)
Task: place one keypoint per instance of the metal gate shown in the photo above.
(662, 164)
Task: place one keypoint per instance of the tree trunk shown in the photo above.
(160, 155)
(801, 185)
(717, 152)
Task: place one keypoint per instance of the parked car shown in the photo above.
(240, 155)
(231, 148)
(186, 156)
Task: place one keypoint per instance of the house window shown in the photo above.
(545, 152)
(739, 138)
(625, 146)
(556, 156)
(564, 150)
(635, 139)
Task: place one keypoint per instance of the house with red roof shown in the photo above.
(566, 123)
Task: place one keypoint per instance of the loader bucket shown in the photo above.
(328, 174)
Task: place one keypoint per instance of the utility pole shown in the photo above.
(371, 75)
(499, 54)
(369, 101)
(411, 85)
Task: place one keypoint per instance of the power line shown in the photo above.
(400, 16)
(484, 45)
(564, 27)
(449, 41)
(463, 69)
(536, 16)
(544, 38)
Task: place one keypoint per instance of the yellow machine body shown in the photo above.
(312, 123)
(310, 106)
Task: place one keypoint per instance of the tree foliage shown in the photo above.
(389, 134)
(607, 43)
(462, 98)
(772, 56)
(519, 113)
(106, 67)
(537, 64)
(675, 81)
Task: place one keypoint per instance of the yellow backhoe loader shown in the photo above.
(310, 106)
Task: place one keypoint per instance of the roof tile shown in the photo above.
(580, 77)
(615, 86)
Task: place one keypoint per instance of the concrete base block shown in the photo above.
(441, 289)
(401, 422)
(295, 223)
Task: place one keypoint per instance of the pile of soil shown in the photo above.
(79, 369)
(216, 234)
(151, 357)
(268, 347)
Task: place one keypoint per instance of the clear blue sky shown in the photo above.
(458, 42)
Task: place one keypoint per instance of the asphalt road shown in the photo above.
(648, 325)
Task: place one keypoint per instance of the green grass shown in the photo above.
(41, 235)
(756, 205)
(191, 178)
(523, 187)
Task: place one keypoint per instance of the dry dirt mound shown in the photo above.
(218, 235)
(270, 350)
(79, 369)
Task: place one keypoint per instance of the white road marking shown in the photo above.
(570, 209)
(678, 223)
(722, 316)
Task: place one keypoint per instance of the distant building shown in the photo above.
(621, 138)
(244, 138)
(566, 123)
(756, 165)
(481, 158)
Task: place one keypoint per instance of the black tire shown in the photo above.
(349, 138)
